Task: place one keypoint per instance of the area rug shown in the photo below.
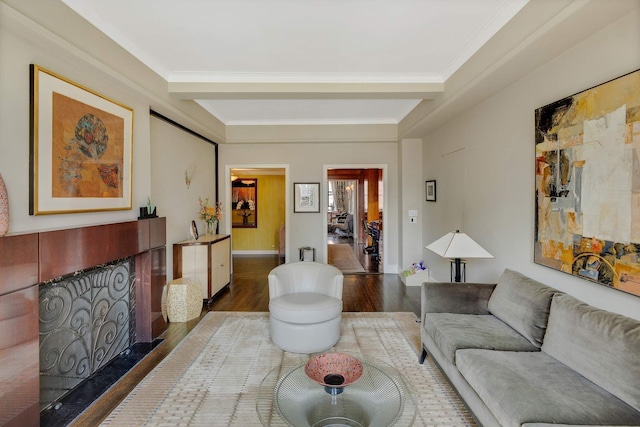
(212, 377)
(341, 255)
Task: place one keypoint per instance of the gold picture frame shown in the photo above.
(81, 148)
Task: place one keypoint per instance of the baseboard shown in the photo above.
(392, 269)
(254, 252)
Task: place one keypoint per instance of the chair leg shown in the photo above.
(423, 356)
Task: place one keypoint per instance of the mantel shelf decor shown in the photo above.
(148, 211)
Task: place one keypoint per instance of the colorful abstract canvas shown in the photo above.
(588, 184)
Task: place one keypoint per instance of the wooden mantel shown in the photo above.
(27, 260)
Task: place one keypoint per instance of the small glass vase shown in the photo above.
(211, 226)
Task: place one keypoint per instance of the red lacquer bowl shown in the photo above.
(334, 370)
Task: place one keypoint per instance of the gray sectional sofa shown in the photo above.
(520, 353)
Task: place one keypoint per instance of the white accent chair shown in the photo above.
(305, 306)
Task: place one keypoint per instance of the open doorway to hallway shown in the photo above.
(354, 219)
(257, 210)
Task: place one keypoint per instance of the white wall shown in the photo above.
(22, 42)
(495, 165)
(172, 152)
(306, 162)
(413, 192)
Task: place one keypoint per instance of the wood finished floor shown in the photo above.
(370, 263)
(249, 292)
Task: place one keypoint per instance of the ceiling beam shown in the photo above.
(306, 90)
(311, 133)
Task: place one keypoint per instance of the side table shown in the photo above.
(380, 398)
(305, 249)
(184, 300)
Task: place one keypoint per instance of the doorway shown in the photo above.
(354, 215)
(255, 209)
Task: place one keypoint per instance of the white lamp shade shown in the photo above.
(458, 245)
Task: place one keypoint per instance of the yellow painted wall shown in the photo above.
(271, 193)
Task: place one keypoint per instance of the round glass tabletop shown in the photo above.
(381, 397)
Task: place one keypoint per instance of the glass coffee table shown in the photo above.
(381, 397)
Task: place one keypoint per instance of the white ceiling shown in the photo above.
(257, 62)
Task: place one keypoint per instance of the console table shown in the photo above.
(207, 260)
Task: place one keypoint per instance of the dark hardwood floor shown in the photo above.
(249, 291)
(371, 263)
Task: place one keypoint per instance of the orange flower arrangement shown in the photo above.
(210, 214)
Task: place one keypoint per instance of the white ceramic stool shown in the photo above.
(184, 300)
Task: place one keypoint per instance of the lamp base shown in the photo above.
(458, 270)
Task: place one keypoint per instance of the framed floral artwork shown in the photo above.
(80, 148)
(244, 195)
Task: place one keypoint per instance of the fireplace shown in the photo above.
(85, 321)
(98, 289)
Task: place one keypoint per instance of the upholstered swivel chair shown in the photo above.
(305, 306)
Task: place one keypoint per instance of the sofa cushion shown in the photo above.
(523, 304)
(600, 345)
(533, 387)
(452, 332)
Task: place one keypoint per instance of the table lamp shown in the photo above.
(457, 246)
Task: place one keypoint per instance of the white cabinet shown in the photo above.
(207, 260)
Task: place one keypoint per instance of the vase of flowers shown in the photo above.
(244, 205)
(210, 215)
(245, 216)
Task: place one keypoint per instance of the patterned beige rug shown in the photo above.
(211, 378)
(341, 255)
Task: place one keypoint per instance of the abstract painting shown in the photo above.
(81, 148)
(587, 219)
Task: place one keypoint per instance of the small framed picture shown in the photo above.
(306, 197)
(431, 190)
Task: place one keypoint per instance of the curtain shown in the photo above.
(340, 196)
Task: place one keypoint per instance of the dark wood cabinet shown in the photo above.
(19, 350)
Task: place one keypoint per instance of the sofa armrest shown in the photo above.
(462, 298)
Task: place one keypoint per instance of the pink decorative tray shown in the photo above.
(334, 370)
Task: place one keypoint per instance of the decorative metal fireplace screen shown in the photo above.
(85, 321)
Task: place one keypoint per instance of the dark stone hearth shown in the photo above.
(81, 397)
